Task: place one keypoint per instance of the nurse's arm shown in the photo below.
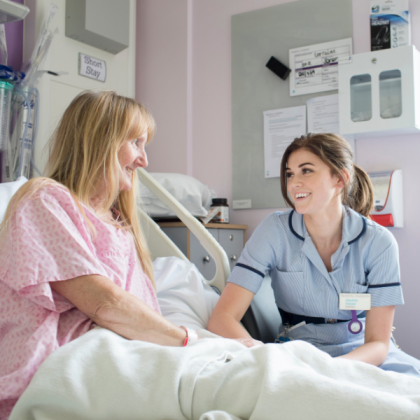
(377, 336)
(230, 309)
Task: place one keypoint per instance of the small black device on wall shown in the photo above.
(278, 68)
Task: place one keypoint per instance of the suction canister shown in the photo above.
(6, 90)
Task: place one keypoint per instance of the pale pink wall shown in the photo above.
(207, 47)
(14, 40)
(161, 79)
(212, 131)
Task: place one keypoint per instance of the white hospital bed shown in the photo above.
(262, 319)
(104, 376)
(161, 246)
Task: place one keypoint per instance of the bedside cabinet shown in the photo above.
(232, 239)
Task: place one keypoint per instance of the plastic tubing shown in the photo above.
(35, 133)
(26, 99)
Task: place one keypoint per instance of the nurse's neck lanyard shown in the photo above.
(355, 326)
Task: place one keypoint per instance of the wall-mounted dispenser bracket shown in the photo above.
(388, 198)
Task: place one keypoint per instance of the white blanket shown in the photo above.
(103, 376)
(185, 298)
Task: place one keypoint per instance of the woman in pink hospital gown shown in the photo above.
(72, 255)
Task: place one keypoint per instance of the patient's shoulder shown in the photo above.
(48, 194)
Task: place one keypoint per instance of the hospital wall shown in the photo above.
(14, 40)
(184, 75)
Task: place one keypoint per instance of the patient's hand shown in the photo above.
(249, 342)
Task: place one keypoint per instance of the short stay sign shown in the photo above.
(92, 67)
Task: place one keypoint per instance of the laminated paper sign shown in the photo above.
(92, 67)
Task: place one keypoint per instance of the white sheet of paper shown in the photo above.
(323, 114)
(314, 68)
(323, 117)
(281, 127)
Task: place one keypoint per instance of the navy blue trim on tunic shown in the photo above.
(303, 239)
(291, 227)
(361, 233)
(250, 268)
(374, 286)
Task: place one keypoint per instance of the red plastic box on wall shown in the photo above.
(383, 219)
(388, 199)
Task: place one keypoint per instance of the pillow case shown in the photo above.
(191, 193)
(185, 298)
(7, 190)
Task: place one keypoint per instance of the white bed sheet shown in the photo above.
(104, 376)
(185, 298)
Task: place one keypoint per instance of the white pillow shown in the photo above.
(185, 298)
(7, 190)
(191, 193)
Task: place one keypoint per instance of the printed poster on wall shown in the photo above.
(281, 127)
(323, 117)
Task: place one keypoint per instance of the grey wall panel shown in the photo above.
(256, 36)
(103, 24)
(109, 18)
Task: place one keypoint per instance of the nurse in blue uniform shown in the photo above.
(323, 248)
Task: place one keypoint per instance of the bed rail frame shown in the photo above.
(160, 245)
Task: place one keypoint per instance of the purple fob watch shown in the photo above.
(355, 326)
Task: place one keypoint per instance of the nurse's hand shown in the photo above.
(249, 342)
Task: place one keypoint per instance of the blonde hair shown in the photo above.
(83, 154)
(335, 152)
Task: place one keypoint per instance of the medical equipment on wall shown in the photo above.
(379, 93)
(17, 158)
(388, 195)
(11, 11)
(104, 26)
(5, 102)
(24, 135)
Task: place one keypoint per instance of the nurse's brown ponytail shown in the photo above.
(335, 152)
(360, 196)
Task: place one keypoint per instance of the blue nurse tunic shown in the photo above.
(366, 261)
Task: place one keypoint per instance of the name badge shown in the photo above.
(355, 301)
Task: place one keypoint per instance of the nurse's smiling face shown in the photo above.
(310, 184)
(132, 155)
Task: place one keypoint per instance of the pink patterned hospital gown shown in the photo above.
(49, 240)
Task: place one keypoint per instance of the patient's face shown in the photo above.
(132, 155)
(310, 184)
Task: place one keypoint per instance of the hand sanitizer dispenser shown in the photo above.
(388, 205)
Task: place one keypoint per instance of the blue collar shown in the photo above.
(354, 226)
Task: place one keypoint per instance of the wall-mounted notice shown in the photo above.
(92, 67)
(281, 127)
(323, 117)
(323, 114)
(315, 68)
